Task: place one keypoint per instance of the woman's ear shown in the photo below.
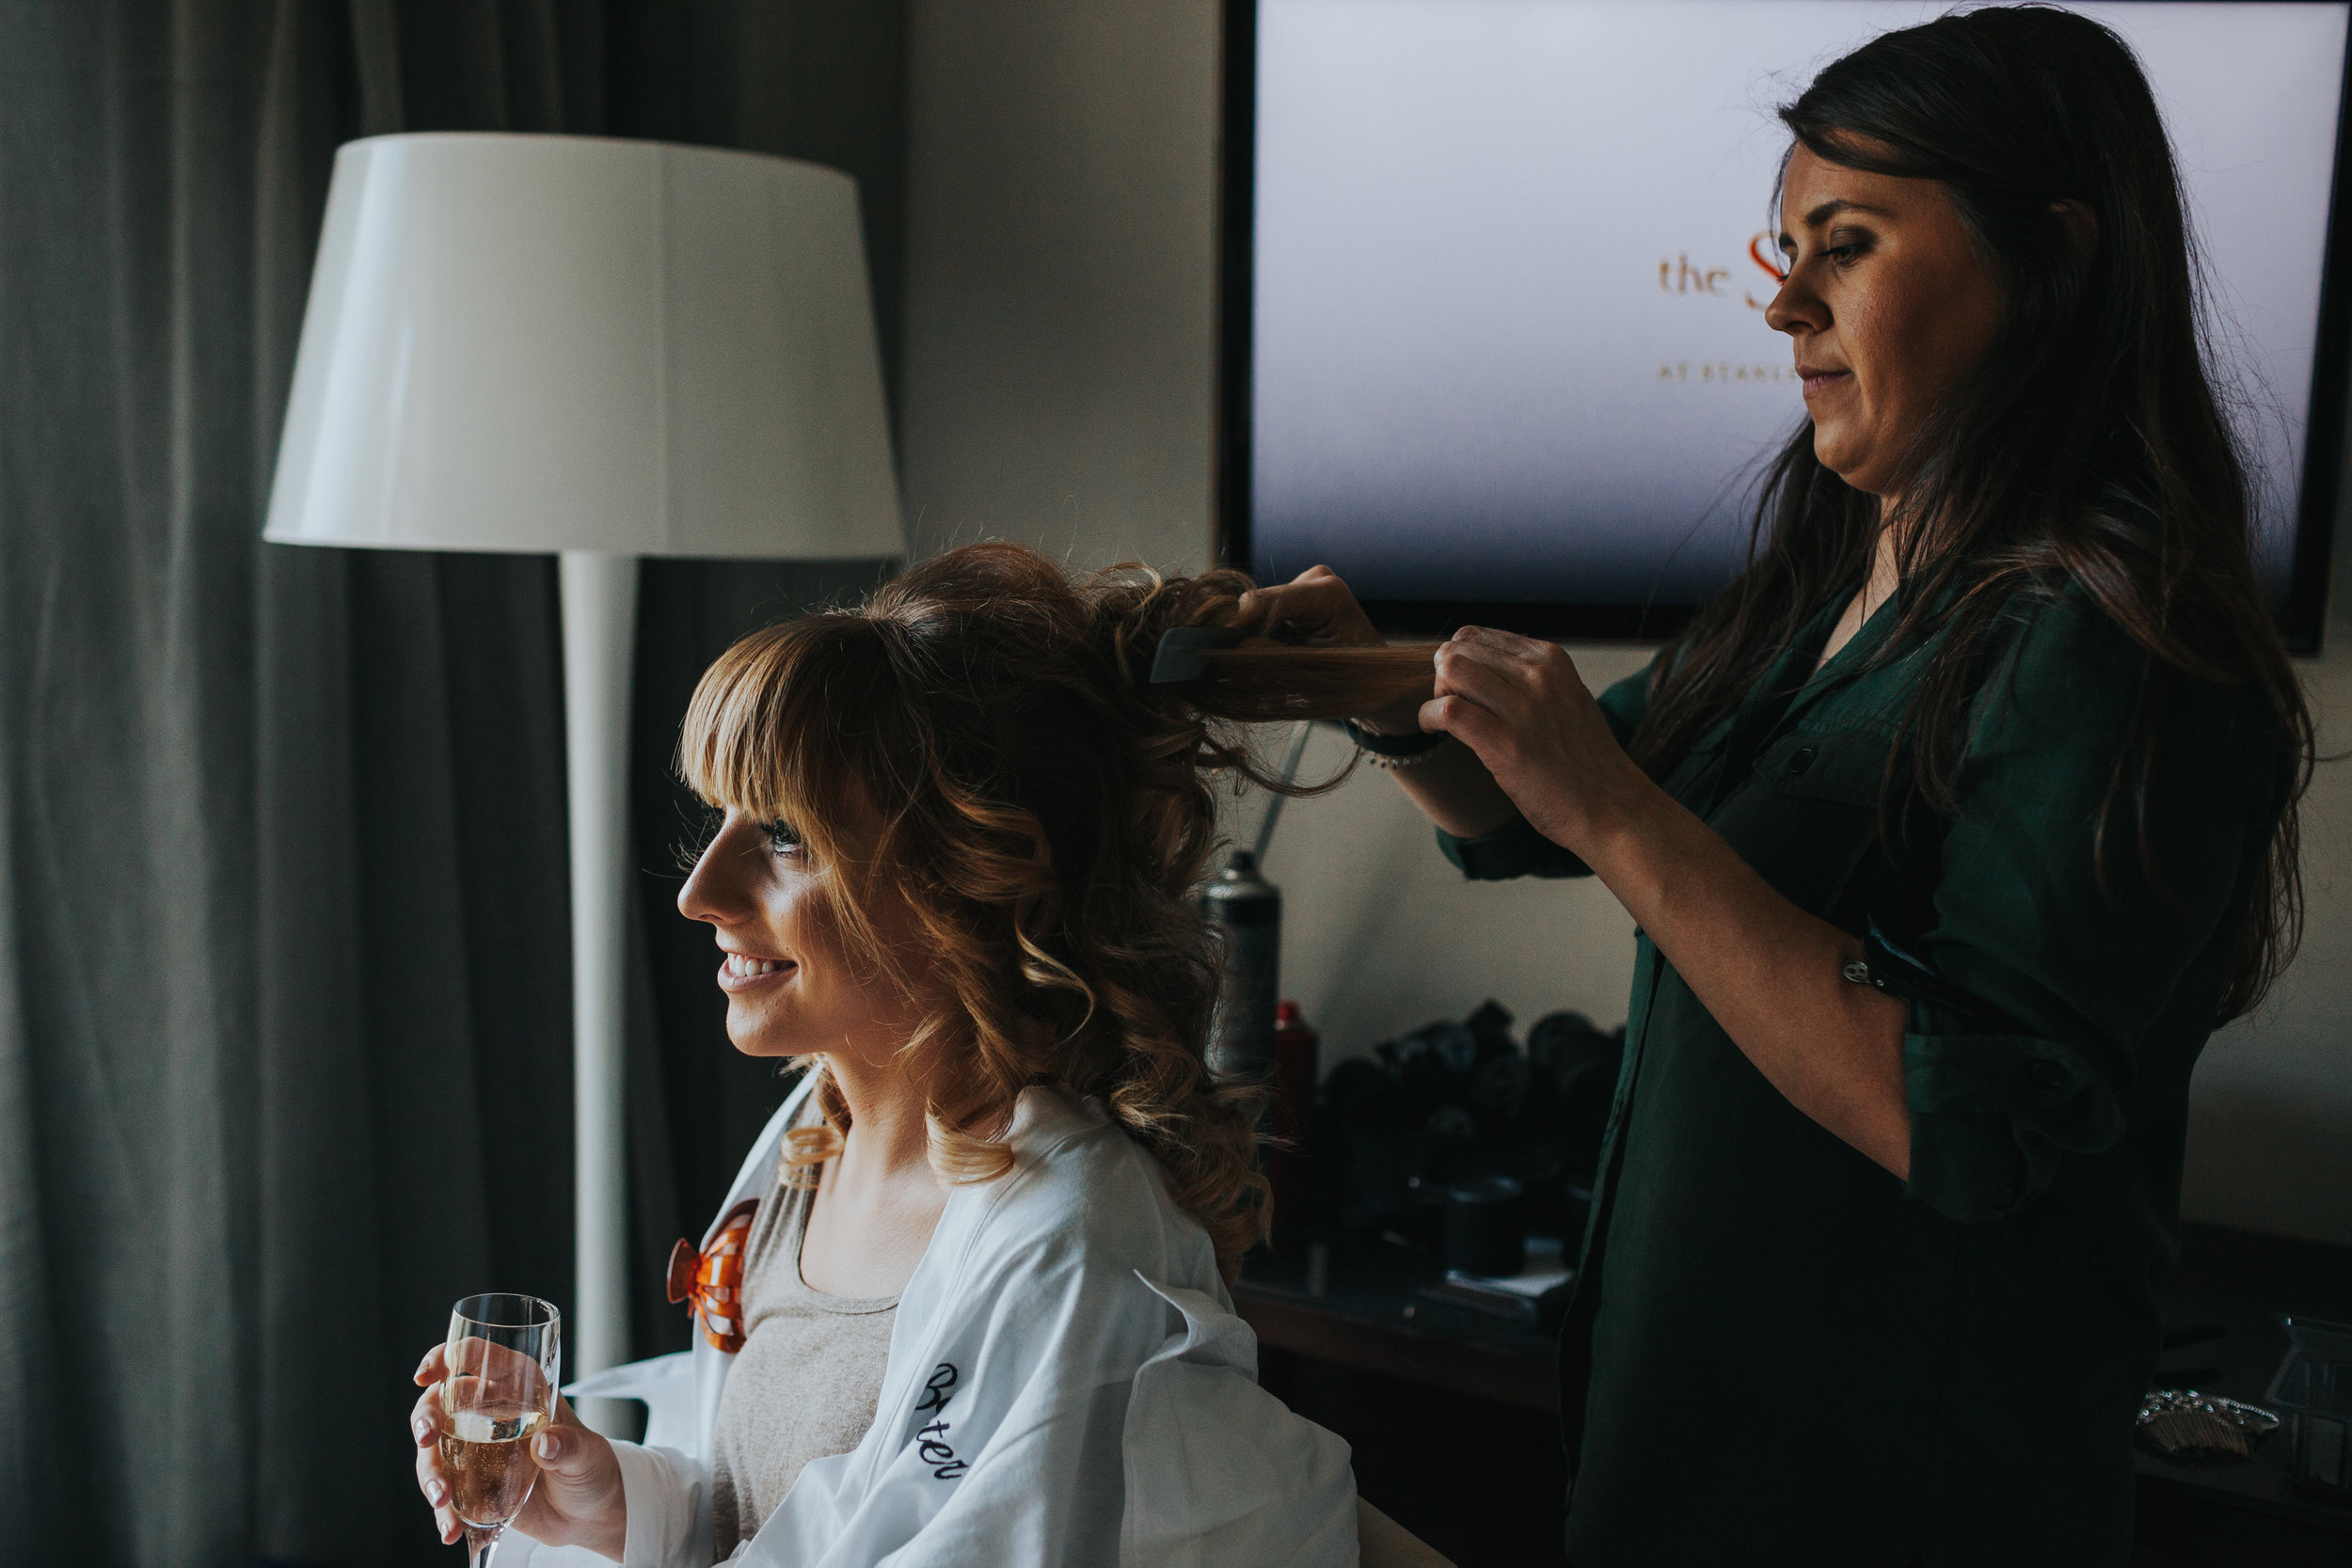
(2082, 228)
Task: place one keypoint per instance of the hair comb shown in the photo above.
(1182, 649)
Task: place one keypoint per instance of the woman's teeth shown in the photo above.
(742, 968)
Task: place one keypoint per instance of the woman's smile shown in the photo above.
(794, 981)
(745, 972)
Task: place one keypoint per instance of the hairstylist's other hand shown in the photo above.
(1313, 607)
(1316, 606)
(577, 1500)
(1520, 705)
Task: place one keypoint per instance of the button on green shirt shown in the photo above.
(1791, 1354)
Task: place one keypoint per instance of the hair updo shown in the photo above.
(1048, 817)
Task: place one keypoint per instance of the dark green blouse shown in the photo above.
(1791, 1354)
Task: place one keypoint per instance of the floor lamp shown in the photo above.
(605, 350)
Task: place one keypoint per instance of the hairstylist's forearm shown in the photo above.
(1451, 786)
(1454, 790)
(1770, 972)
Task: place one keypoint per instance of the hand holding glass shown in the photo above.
(502, 1361)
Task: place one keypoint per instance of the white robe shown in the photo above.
(1067, 1384)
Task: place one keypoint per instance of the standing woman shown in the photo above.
(1870, 1272)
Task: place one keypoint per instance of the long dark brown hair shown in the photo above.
(2088, 448)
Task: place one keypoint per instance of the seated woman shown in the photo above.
(983, 1314)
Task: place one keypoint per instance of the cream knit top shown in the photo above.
(806, 1382)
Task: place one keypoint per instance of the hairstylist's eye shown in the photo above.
(782, 837)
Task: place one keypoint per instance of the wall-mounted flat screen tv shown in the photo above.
(1495, 275)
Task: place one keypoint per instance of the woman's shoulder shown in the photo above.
(1083, 1189)
(2060, 626)
(1069, 1155)
(2059, 647)
(2066, 677)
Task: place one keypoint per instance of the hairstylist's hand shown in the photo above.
(1316, 606)
(577, 1500)
(1313, 607)
(1520, 705)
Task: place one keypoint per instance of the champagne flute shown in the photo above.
(504, 1354)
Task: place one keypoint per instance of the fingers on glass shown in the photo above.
(498, 1390)
(424, 1417)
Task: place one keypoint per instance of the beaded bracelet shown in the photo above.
(1392, 765)
(1393, 751)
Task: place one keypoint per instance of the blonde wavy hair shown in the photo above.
(1047, 815)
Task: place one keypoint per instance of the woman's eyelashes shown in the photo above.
(782, 837)
(1845, 247)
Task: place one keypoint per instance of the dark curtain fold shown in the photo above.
(284, 967)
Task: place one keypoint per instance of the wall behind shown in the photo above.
(1060, 388)
(1062, 312)
(2270, 1109)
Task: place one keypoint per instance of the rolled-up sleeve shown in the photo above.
(1515, 849)
(668, 1497)
(1990, 1115)
(2079, 968)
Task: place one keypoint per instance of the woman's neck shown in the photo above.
(878, 1201)
(1885, 568)
(1885, 576)
(888, 1130)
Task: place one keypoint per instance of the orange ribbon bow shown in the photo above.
(711, 1280)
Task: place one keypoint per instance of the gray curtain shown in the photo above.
(284, 983)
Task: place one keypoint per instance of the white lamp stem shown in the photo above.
(599, 645)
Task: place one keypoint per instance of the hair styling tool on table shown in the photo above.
(2190, 1428)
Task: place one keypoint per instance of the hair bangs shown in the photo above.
(784, 728)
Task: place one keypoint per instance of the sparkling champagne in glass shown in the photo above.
(505, 1354)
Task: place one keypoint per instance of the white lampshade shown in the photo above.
(552, 343)
(605, 350)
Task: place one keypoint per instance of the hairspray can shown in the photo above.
(1246, 911)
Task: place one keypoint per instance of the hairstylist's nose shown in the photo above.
(1795, 308)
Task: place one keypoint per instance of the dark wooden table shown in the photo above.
(1452, 1418)
(1369, 1315)
(2246, 1503)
